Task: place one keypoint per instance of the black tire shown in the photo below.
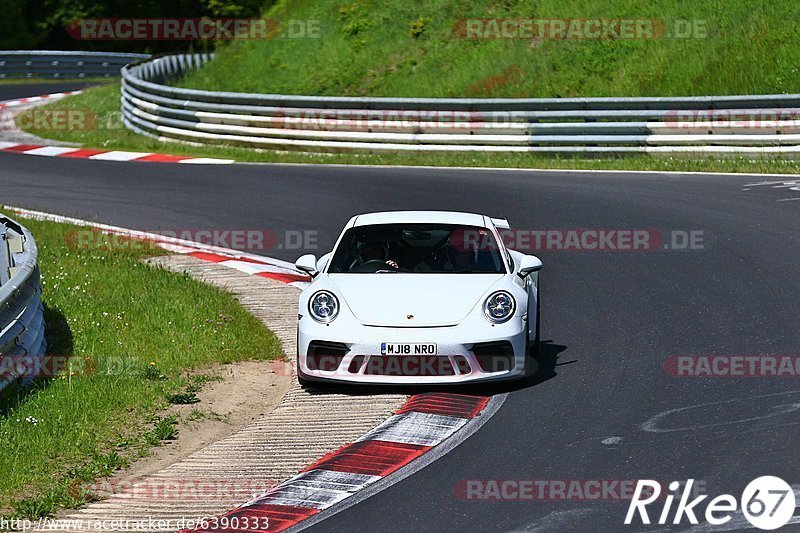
(533, 347)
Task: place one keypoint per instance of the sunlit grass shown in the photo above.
(401, 48)
(136, 335)
(397, 48)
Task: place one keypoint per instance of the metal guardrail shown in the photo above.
(762, 125)
(63, 65)
(21, 310)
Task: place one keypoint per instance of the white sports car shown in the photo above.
(415, 297)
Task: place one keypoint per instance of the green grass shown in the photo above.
(404, 48)
(137, 335)
(401, 48)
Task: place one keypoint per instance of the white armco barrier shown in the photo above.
(761, 125)
(22, 340)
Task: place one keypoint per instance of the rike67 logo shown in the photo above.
(767, 503)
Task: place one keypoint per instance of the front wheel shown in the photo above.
(533, 347)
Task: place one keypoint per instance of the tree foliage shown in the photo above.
(42, 24)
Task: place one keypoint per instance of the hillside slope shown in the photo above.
(402, 48)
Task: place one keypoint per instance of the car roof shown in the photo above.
(420, 217)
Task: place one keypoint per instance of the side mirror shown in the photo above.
(308, 264)
(529, 264)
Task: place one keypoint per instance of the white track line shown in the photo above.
(119, 156)
(206, 161)
(51, 150)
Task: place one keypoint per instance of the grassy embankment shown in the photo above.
(397, 48)
(138, 338)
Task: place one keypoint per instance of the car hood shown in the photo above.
(430, 299)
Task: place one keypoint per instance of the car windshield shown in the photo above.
(417, 248)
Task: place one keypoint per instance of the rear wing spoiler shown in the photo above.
(500, 223)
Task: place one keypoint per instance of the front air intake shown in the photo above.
(494, 356)
(326, 356)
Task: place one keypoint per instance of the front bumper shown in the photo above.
(456, 362)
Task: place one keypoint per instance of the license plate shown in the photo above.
(399, 348)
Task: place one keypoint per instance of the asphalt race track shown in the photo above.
(610, 319)
(12, 91)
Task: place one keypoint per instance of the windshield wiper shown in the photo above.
(385, 271)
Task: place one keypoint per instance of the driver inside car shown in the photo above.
(378, 251)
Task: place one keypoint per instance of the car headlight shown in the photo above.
(499, 307)
(323, 306)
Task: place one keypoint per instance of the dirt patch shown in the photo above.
(246, 391)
